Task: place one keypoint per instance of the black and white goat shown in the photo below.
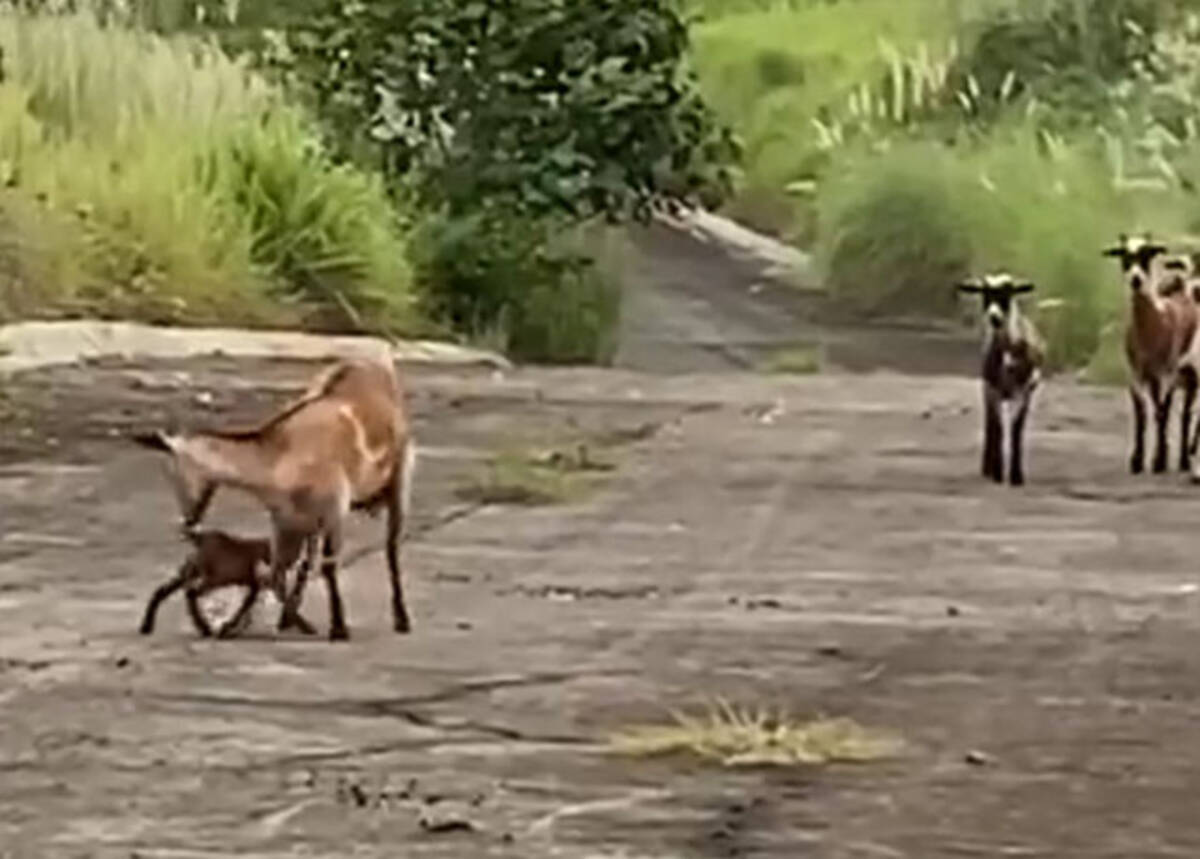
(1013, 356)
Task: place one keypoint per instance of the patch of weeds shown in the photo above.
(800, 360)
(535, 478)
(1108, 364)
(735, 736)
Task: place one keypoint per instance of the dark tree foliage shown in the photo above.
(548, 107)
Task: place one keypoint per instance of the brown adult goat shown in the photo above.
(344, 444)
(1160, 346)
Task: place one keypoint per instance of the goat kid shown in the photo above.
(1160, 347)
(219, 560)
(343, 445)
(1012, 368)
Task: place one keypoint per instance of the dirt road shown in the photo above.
(819, 543)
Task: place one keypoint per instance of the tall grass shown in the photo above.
(904, 224)
(172, 184)
(775, 69)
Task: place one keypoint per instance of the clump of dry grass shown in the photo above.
(736, 736)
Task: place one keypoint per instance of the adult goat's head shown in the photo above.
(192, 484)
(996, 292)
(1136, 256)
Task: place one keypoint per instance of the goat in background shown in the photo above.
(1160, 347)
(1013, 357)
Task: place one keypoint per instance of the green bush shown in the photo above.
(524, 287)
(894, 236)
(327, 235)
(169, 183)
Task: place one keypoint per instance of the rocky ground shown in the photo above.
(819, 543)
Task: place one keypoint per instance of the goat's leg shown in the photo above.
(240, 617)
(1016, 474)
(993, 437)
(330, 549)
(199, 621)
(285, 548)
(1137, 460)
(1189, 381)
(1162, 418)
(161, 593)
(397, 513)
(290, 616)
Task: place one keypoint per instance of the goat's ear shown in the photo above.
(968, 286)
(1022, 287)
(1113, 252)
(152, 440)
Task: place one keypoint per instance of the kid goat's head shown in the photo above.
(997, 292)
(193, 486)
(1136, 256)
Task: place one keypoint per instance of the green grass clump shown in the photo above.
(735, 736)
(155, 178)
(536, 478)
(800, 360)
(531, 289)
(894, 235)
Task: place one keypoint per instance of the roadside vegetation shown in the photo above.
(908, 142)
(398, 166)
(156, 178)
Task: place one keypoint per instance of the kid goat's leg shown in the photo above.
(330, 549)
(1189, 380)
(1016, 474)
(197, 615)
(162, 592)
(993, 436)
(235, 623)
(1137, 461)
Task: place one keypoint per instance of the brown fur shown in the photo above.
(343, 445)
(217, 560)
(1159, 347)
(1157, 337)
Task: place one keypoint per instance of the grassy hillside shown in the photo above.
(153, 178)
(909, 142)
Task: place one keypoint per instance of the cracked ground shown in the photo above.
(821, 544)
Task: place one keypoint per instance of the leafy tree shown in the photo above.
(547, 107)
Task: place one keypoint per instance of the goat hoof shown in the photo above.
(339, 634)
(402, 626)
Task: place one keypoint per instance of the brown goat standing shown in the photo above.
(1160, 346)
(218, 560)
(345, 444)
